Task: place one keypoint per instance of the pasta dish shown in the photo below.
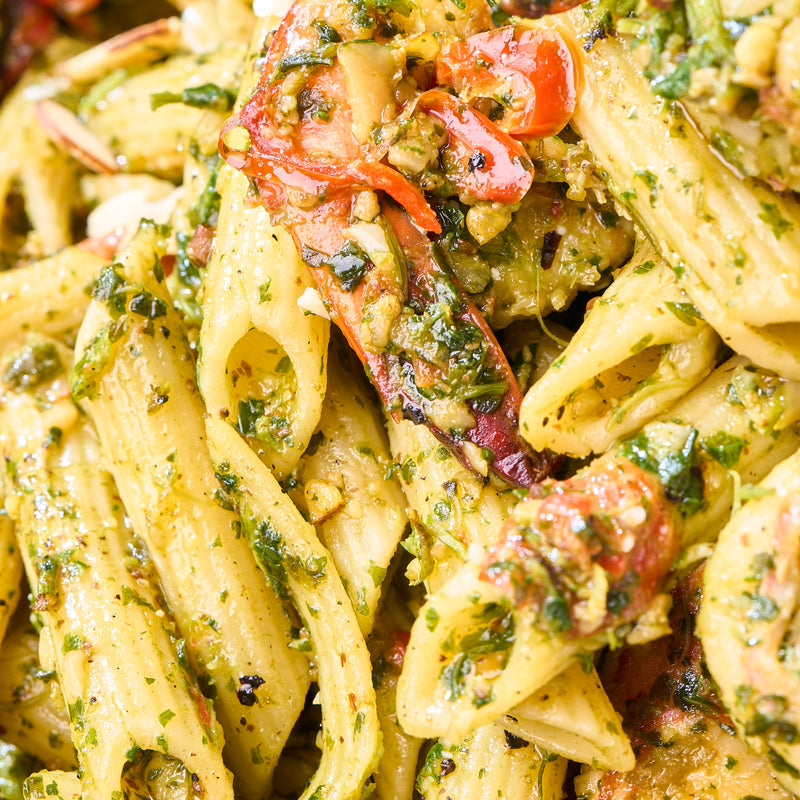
(400, 398)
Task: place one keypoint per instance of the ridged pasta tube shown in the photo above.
(492, 763)
(746, 419)
(105, 632)
(141, 394)
(287, 549)
(263, 358)
(153, 140)
(349, 490)
(397, 769)
(32, 717)
(450, 508)
(47, 177)
(749, 618)
(47, 296)
(641, 347)
(571, 715)
(10, 568)
(734, 244)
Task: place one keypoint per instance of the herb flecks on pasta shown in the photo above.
(562, 246)
(315, 143)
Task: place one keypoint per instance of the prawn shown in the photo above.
(361, 225)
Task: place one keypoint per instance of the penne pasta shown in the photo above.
(46, 177)
(349, 491)
(47, 296)
(489, 760)
(99, 604)
(148, 140)
(33, 716)
(747, 622)
(288, 551)
(642, 346)
(134, 364)
(10, 570)
(263, 363)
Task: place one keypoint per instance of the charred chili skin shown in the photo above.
(300, 155)
(612, 516)
(501, 173)
(394, 375)
(497, 431)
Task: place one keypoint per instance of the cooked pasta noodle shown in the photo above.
(571, 283)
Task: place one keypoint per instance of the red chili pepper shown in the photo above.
(497, 431)
(530, 73)
(396, 650)
(492, 165)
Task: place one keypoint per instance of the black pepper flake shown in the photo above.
(514, 742)
(414, 414)
(599, 31)
(247, 689)
(447, 766)
(476, 161)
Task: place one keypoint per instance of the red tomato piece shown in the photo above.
(530, 73)
(494, 166)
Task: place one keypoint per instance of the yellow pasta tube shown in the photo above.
(450, 508)
(32, 716)
(733, 243)
(53, 785)
(105, 632)
(641, 347)
(287, 549)
(397, 769)
(150, 140)
(47, 296)
(47, 177)
(748, 621)
(572, 715)
(263, 358)
(746, 419)
(349, 491)
(492, 763)
(10, 569)
(141, 394)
